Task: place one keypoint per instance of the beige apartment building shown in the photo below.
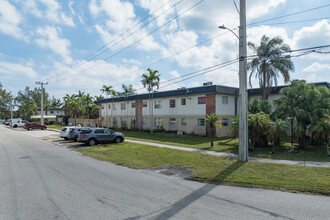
(180, 111)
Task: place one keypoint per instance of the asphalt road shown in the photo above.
(39, 180)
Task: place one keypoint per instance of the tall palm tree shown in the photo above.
(127, 90)
(110, 92)
(213, 120)
(150, 81)
(269, 63)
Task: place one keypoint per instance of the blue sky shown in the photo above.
(50, 40)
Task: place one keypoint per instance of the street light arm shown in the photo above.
(225, 28)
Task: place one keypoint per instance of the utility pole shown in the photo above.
(42, 100)
(243, 113)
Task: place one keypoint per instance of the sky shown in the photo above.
(83, 45)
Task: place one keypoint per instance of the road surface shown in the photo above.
(39, 180)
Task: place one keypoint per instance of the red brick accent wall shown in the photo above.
(100, 116)
(138, 115)
(210, 108)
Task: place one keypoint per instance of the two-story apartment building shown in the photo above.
(179, 111)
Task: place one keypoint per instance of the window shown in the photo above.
(172, 103)
(183, 121)
(123, 121)
(99, 131)
(114, 107)
(58, 112)
(144, 120)
(183, 101)
(225, 122)
(109, 106)
(172, 122)
(158, 122)
(201, 122)
(144, 104)
(201, 100)
(133, 104)
(122, 106)
(225, 100)
(158, 104)
(102, 106)
(51, 112)
(114, 121)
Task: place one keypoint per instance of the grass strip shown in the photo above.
(212, 169)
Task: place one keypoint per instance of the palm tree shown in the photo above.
(150, 81)
(127, 90)
(269, 63)
(213, 120)
(278, 130)
(110, 92)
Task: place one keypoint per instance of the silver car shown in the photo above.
(92, 136)
(65, 133)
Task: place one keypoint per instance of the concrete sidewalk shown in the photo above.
(235, 156)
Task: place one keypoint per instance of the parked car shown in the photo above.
(7, 122)
(17, 122)
(65, 132)
(32, 125)
(92, 136)
(73, 132)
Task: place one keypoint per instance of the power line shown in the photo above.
(92, 56)
(292, 22)
(118, 52)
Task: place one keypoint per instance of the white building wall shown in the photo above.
(225, 109)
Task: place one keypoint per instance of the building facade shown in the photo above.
(180, 111)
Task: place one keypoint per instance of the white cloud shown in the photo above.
(16, 70)
(31, 7)
(54, 14)
(316, 67)
(49, 38)
(259, 8)
(10, 20)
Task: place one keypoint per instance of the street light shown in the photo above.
(243, 113)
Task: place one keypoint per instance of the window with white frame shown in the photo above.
(201, 122)
(183, 121)
(114, 107)
(172, 103)
(225, 122)
(183, 101)
(144, 120)
(102, 106)
(225, 100)
(133, 104)
(123, 121)
(172, 122)
(158, 122)
(158, 103)
(123, 106)
(109, 106)
(144, 104)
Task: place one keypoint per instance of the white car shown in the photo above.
(65, 133)
(17, 122)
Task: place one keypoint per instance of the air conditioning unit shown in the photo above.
(207, 84)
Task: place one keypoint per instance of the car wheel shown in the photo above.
(118, 140)
(30, 129)
(76, 139)
(15, 126)
(43, 128)
(66, 138)
(91, 142)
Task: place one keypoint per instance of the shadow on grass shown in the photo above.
(178, 206)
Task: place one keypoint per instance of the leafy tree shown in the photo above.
(308, 104)
(258, 125)
(150, 80)
(257, 105)
(213, 120)
(269, 63)
(32, 95)
(108, 90)
(27, 109)
(5, 103)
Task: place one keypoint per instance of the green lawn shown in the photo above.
(59, 127)
(217, 170)
(230, 145)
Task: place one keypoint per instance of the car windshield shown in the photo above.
(63, 129)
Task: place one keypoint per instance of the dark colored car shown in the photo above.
(92, 136)
(32, 125)
(73, 132)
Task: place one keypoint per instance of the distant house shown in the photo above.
(52, 114)
(178, 111)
